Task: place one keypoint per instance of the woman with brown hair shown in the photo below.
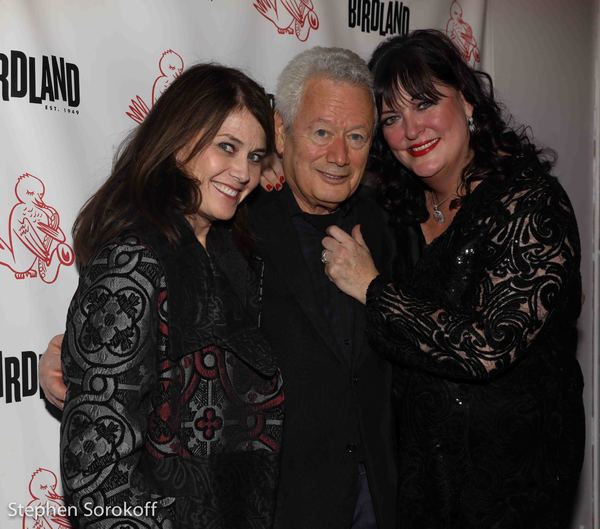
(174, 406)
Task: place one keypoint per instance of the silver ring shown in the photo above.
(323, 258)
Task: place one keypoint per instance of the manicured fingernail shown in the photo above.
(278, 187)
(269, 187)
(282, 179)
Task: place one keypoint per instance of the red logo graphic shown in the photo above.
(170, 66)
(461, 34)
(291, 17)
(36, 244)
(46, 508)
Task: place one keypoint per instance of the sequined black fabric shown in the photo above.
(482, 335)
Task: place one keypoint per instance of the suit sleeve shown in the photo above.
(532, 259)
(109, 362)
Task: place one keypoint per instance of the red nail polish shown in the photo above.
(278, 186)
(282, 179)
(269, 187)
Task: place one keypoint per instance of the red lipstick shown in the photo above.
(423, 148)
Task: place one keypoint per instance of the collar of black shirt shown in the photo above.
(293, 209)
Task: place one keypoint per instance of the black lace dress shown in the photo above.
(482, 335)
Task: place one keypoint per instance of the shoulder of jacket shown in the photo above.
(123, 255)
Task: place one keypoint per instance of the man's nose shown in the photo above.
(337, 152)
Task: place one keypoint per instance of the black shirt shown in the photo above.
(337, 306)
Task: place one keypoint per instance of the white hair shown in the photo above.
(336, 64)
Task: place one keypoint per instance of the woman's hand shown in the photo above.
(348, 262)
(271, 176)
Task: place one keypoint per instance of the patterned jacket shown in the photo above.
(174, 407)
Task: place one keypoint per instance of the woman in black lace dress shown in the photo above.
(173, 412)
(480, 323)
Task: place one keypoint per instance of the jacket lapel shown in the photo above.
(278, 243)
(244, 274)
(382, 247)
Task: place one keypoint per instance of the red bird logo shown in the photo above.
(461, 34)
(46, 501)
(36, 244)
(292, 17)
(170, 66)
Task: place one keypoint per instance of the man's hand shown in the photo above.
(348, 261)
(51, 377)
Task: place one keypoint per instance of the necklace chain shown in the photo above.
(437, 213)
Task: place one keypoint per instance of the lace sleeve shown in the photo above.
(109, 362)
(529, 260)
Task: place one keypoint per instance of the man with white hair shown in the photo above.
(337, 462)
(337, 467)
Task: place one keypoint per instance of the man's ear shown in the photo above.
(279, 134)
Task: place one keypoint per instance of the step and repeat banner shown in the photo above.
(75, 77)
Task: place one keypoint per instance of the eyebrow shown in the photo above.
(330, 122)
(238, 141)
(395, 105)
(231, 137)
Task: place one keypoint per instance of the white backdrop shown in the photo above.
(75, 77)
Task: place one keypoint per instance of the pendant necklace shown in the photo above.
(437, 213)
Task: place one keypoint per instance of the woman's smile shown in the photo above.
(422, 149)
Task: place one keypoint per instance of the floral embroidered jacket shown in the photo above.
(174, 408)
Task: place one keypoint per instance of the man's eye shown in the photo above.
(227, 147)
(357, 139)
(321, 136)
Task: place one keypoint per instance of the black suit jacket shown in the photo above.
(328, 397)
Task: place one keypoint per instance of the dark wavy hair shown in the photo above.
(147, 183)
(415, 63)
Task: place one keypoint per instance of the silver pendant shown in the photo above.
(438, 216)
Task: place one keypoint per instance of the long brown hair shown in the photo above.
(147, 184)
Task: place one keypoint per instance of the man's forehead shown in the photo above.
(321, 82)
(327, 98)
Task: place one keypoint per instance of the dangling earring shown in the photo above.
(471, 124)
